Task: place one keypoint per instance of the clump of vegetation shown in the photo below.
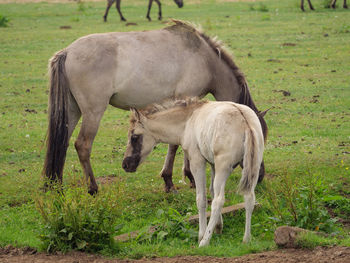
(168, 225)
(77, 221)
(81, 6)
(299, 204)
(4, 21)
(262, 7)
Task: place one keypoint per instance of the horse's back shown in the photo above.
(138, 68)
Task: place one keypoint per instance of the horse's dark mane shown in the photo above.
(217, 46)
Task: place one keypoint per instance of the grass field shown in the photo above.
(278, 47)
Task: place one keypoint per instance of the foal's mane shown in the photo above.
(217, 46)
(185, 104)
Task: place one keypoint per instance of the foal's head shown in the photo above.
(179, 3)
(140, 142)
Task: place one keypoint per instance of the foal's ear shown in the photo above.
(136, 113)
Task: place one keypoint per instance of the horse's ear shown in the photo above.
(262, 113)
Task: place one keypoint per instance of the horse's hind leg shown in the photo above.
(149, 10)
(310, 5)
(160, 10)
(109, 4)
(119, 11)
(83, 146)
(345, 5)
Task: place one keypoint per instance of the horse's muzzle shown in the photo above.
(131, 163)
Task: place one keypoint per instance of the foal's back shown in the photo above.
(217, 127)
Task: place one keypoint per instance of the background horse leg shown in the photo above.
(167, 170)
(159, 9)
(345, 5)
(302, 5)
(109, 4)
(310, 5)
(149, 10)
(119, 11)
(83, 146)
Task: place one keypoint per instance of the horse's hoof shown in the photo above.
(171, 189)
(93, 191)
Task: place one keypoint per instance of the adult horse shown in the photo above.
(117, 5)
(222, 134)
(133, 69)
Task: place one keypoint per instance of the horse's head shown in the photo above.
(179, 3)
(140, 142)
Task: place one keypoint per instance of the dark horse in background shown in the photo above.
(332, 4)
(110, 3)
(132, 70)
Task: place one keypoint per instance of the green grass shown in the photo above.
(277, 46)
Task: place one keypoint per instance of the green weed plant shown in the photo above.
(73, 220)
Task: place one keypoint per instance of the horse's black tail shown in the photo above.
(57, 134)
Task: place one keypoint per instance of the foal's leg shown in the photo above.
(119, 11)
(83, 146)
(219, 225)
(198, 168)
(302, 5)
(167, 170)
(109, 4)
(345, 5)
(249, 202)
(222, 172)
(149, 10)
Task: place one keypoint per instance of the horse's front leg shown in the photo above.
(186, 170)
(167, 171)
(198, 168)
(83, 146)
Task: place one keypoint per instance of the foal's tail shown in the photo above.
(251, 162)
(57, 133)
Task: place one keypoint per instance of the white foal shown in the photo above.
(221, 133)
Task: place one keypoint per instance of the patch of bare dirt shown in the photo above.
(318, 255)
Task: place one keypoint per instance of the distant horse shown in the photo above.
(117, 5)
(220, 133)
(133, 69)
(332, 4)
